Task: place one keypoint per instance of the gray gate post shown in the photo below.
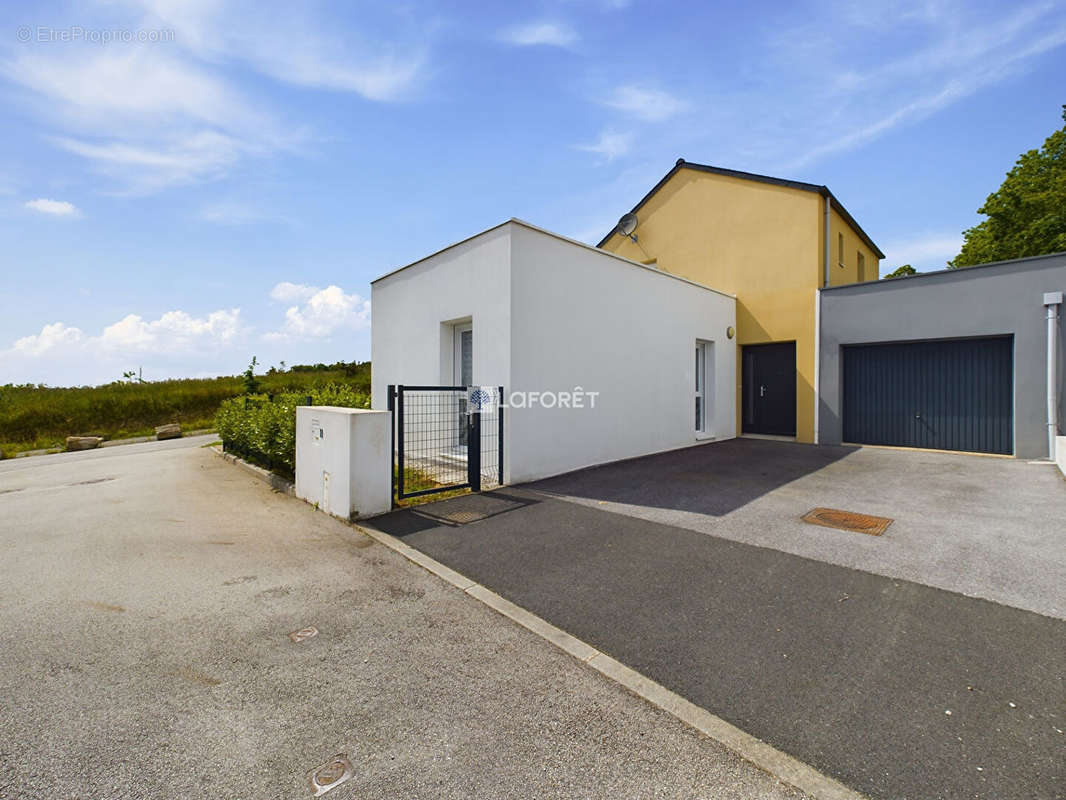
(392, 440)
(473, 452)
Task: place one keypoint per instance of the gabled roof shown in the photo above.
(751, 176)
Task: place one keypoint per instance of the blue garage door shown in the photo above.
(948, 395)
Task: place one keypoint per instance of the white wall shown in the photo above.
(409, 343)
(550, 315)
(581, 317)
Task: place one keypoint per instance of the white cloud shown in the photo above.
(298, 51)
(56, 335)
(57, 208)
(174, 331)
(286, 292)
(610, 145)
(556, 34)
(98, 85)
(931, 251)
(321, 312)
(961, 54)
(171, 161)
(651, 105)
(162, 114)
(145, 118)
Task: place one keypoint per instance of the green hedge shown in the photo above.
(262, 428)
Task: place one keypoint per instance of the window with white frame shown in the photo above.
(702, 394)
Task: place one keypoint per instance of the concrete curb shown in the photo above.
(780, 765)
(276, 482)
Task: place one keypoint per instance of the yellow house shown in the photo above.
(773, 243)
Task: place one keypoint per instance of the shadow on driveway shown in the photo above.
(713, 479)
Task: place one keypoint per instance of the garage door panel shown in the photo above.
(945, 395)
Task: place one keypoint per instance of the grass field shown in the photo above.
(37, 417)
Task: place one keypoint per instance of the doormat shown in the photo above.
(847, 521)
(470, 508)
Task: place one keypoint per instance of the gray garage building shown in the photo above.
(950, 360)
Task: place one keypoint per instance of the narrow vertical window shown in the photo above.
(840, 248)
(701, 387)
(860, 260)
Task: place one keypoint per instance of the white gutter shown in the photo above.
(1052, 300)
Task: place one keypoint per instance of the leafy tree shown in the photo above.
(1027, 214)
(251, 383)
(901, 272)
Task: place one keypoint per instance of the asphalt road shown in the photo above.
(897, 689)
(146, 597)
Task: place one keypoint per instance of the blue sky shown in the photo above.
(224, 179)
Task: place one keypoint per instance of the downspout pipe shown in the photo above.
(817, 364)
(818, 324)
(1052, 301)
(828, 205)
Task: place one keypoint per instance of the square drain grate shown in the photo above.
(847, 521)
(469, 508)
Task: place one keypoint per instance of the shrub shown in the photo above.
(262, 428)
(38, 416)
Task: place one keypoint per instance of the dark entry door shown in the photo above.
(952, 394)
(770, 389)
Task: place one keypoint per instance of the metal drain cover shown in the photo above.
(847, 520)
(469, 508)
(330, 775)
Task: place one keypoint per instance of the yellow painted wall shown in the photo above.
(853, 245)
(759, 241)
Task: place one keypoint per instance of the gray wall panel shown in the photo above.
(1003, 299)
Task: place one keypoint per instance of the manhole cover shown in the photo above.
(847, 520)
(470, 508)
(304, 634)
(330, 775)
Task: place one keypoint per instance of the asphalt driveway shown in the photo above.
(147, 593)
(982, 526)
(896, 687)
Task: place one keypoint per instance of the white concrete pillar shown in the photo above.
(343, 460)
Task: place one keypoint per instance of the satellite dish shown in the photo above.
(626, 225)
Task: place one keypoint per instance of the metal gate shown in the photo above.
(445, 438)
